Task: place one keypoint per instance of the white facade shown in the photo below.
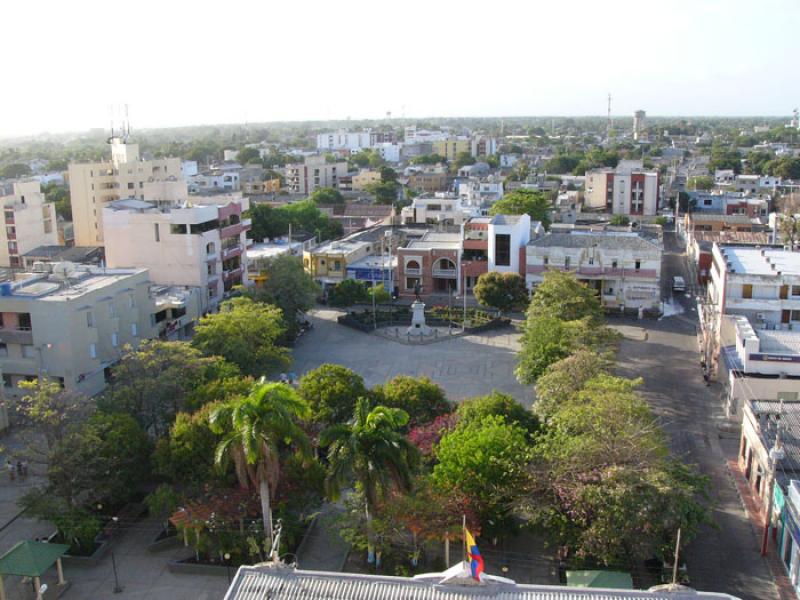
(624, 267)
(389, 151)
(507, 234)
(442, 207)
(476, 192)
(417, 136)
(631, 192)
(314, 172)
(30, 222)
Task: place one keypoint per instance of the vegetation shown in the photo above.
(521, 202)
(348, 292)
(326, 196)
(270, 223)
(332, 391)
(503, 291)
(419, 398)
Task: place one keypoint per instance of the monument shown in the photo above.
(418, 326)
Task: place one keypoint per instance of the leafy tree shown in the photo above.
(270, 223)
(15, 170)
(103, 461)
(245, 333)
(521, 202)
(563, 379)
(60, 196)
(347, 293)
(371, 450)
(248, 155)
(382, 295)
(326, 196)
(76, 526)
(789, 227)
(385, 192)
(462, 160)
(620, 220)
(545, 340)
(331, 391)
(785, 167)
(602, 482)
(288, 287)
(563, 163)
(503, 291)
(159, 379)
(487, 462)
(704, 183)
(51, 411)
(253, 429)
(563, 296)
(476, 410)
(428, 159)
(59, 164)
(186, 456)
(420, 398)
(757, 162)
(388, 174)
(725, 158)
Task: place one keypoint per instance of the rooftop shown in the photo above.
(614, 240)
(437, 240)
(729, 219)
(260, 583)
(761, 261)
(776, 341)
(67, 282)
(790, 429)
(77, 254)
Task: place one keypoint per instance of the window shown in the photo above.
(613, 264)
(796, 290)
(3, 349)
(337, 265)
(566, 262)
(177, 229)
(112, 310)
(114, 340)
(545, 260)
(92, 351)
(157, 233)
(90, 319)
(411, 282)
(131, 301)
(130, 185)
(28, 351)
(747, 290)
(7, 381)
(24, 321)
(637, 265)
(783, 294)
(591, 260)
(502, 250)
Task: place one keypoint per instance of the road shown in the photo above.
(723, 558)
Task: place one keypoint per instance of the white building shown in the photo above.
(314, 172)
(354, 141)
(440, 208)
(477, 192)
(389, 151)
(419, 136)
(624, 267)
(30, 222)
(622, 191)
(201, 244)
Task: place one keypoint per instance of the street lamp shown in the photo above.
(776, 454)
(227, 558)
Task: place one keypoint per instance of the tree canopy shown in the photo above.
(271, 223)
(521, 202)
(503, 291)
(563, 296)
(331, 391)
(419, 397)
(326, 195)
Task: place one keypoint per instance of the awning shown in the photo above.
(31, 559)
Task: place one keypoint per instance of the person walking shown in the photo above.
(10, 469)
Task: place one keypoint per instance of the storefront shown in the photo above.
(789, 532)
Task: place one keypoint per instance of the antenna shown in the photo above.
(127, 130)
(608, 122)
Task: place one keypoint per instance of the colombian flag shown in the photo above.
(475, 558)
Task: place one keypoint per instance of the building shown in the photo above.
(314, 172)
(412, 135)
(259, 256)
(29, 220)
(475, 192)
(482, 145)
(429, 182)
(279, 582)
(328, 262)
(440, 208)
(730, 203)
(94, 185)
(258, 186)
(639, 125)
(357, 216)
(431, 263)
(622, 191)
(479, 169)
(374, 270)
(389, 151)
(71, 324)
(365, 178)
(84, 255)
(353, 141)
(201, 244)
(695, 222)
(623, 266)
(450, 148)
(699, 246)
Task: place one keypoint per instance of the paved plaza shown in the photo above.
(467, 366)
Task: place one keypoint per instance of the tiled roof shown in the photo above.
(586, 239)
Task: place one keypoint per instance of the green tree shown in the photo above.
(476, 410)
(268, 222)
(725, 158)
(159, 379)
(620, 221)
(521, 202)
(562, 380)
(103, 461)
(704, 183)
(388, 174)
(384, 192)
(326, 196)
(428, 159)
(382, 295)
(50, 411)
(347, 293)
(566, 298)
(246, 334)
(420, 398)
(503, 291)
(372, 451)
(15, 170)
(487, 462)
(59, 195)
(253, 430)
(248, 155)
(331, 391)
(288, 287)
(545, 340)
(785, 167)
(462, 160)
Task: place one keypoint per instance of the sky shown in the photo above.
(177, 62)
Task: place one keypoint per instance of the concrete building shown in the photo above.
(639, 125)
(365, 178)
(430, 262)
(201, 244)
(622, 191)
(482, 145)
(93, 185)
(328, 262)
(412, 135)
(476, 192)
(624, 267)
(314, 172)
(450, 148)
(440, 208)
(353, 141)
(700, 244)
(29, 222)
(429, 181)
(71, 324)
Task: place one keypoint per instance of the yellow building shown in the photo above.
(452, 147)
(364, 179)
(327, 263)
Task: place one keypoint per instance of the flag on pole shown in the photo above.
(474, 555)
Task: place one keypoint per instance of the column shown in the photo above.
(60, 572)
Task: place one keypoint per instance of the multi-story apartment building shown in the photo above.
(353, 141)
(483, 146)
(476, 191)
(623, 266)
(93, 185)
(412, 135)
(430, 181)
(365, 178)
(30, 222)
(623, 191)
(201, 244)
(450, 148)
(70, 325)
(314, 172)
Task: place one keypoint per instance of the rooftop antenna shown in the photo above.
(111, 114)
(608, 122)
(126, 130)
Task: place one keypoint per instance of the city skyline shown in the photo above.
(176, 67)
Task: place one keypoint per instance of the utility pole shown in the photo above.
(675, 561)
(777, 453)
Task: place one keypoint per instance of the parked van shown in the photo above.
(678, 284)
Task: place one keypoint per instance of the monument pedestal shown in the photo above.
(418, 326)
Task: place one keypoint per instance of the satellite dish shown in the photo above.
(64, 270)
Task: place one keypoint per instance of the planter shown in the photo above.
(165, 540)
(193, 568)
(87, 560)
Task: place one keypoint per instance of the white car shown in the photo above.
(678, 284)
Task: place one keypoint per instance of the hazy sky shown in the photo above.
(175, 62)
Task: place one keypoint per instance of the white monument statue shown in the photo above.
(418, 326)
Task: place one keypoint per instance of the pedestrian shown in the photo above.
(19, 468)
(24, 469)
(10, 469)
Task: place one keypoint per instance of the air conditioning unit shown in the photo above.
(760, 317)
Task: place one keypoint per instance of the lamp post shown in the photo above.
(39, 349)
(227, 558)
(776, 454)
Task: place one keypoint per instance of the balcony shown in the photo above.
(445, 273)
(231, 252)
(232, 274)
(16, 336)
(412, 271)
(231, 230)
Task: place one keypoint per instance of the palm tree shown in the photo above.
(253, 427)
(373, 451)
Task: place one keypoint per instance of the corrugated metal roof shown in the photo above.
(262, 583)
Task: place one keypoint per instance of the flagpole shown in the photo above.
(464, 535)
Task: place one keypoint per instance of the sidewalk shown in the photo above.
(752, 507)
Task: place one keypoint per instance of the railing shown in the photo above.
(231, 230)
(445, 273)
(412, 271)
(232, 273)
(231, 252)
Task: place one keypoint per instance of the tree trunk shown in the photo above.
(266, 509)
(370, 545)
